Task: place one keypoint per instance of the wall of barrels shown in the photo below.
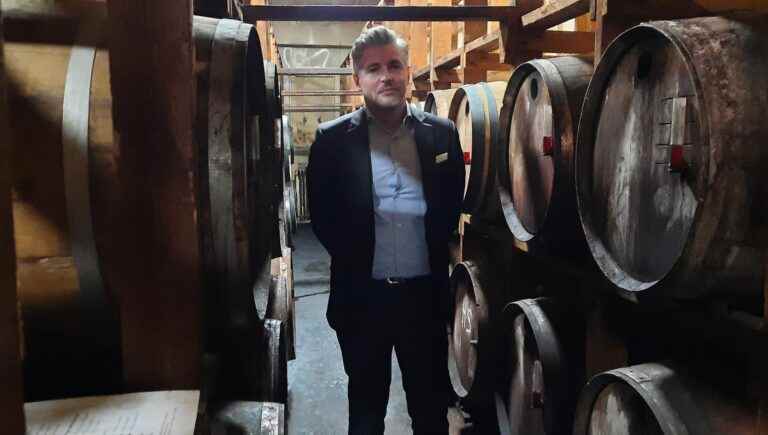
(68, 184)
(610, 276)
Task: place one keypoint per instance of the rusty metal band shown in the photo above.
(76, 163)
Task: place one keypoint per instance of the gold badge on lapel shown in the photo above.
(440, 158)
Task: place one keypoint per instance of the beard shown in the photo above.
(387, 101)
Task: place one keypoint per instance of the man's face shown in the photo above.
(382, 77)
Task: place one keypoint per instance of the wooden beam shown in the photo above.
(616, 16)
(449, 76)
(159, 282)
(422, 73)
(378, 13)
(512, 48)
(554, 41)
(49, 22)
(11, 393)
(554, 12)
(314, 71)
(474, 29)
(419, 44)
(450, 60)
(487, 43)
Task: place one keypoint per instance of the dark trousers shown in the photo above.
(408, 319)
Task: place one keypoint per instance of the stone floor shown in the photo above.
(316, 380)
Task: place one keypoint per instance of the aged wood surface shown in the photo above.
(248, 418)
(377, 13)
(544, 338)
(439, 102)
(554, 12)
(536, 166)
(662, 398)
(66, 197)
(662, 217)
(475, 111)
(12, 394)
(160, 275)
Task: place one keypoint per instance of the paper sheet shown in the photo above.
(153, 413)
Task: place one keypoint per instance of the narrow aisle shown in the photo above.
(317, 389)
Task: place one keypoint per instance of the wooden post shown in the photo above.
(11, 393)
(440, 44)
(473, 30)
(159, 286)
(419, 44)
(265, 37)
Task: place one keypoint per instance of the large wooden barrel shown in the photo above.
(475, 111)
(236, 248)
(544, 344)
(281, 298)
(474, 355)
(274, 129)
(247, 418)
(653, 398)
(438, 102)
(11, 348)
(288, 205)
(535, 156)
(65, 199)
(670, 179)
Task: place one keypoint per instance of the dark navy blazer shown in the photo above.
(341, 202)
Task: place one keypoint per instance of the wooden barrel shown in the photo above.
(669, 178)
(544, 345)
(11, 346)
(281, 303)
(235, 246)
(288, 206)
(655, 398)
(474, 353)
(273, 117)
(247, 418)
(535, 156)
(65, 200)
(475, 111)
(439, 102)
(274, 362)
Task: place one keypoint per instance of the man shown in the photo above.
(386, 184)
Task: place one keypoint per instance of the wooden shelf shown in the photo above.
(554, 12)
(380, 13)
(422, 74)
(450, 60)
(487, 43)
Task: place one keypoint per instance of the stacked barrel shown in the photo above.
(241, 153)
(608, 211)
(66, 176)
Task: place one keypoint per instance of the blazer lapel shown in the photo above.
(424, 136)
(359, 157)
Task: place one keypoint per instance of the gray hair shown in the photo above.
(377, 36)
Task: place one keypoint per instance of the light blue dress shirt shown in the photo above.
(398, 202)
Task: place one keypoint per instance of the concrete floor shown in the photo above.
(317, 384)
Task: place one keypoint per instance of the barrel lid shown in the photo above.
(639, 153)
(531, 146)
